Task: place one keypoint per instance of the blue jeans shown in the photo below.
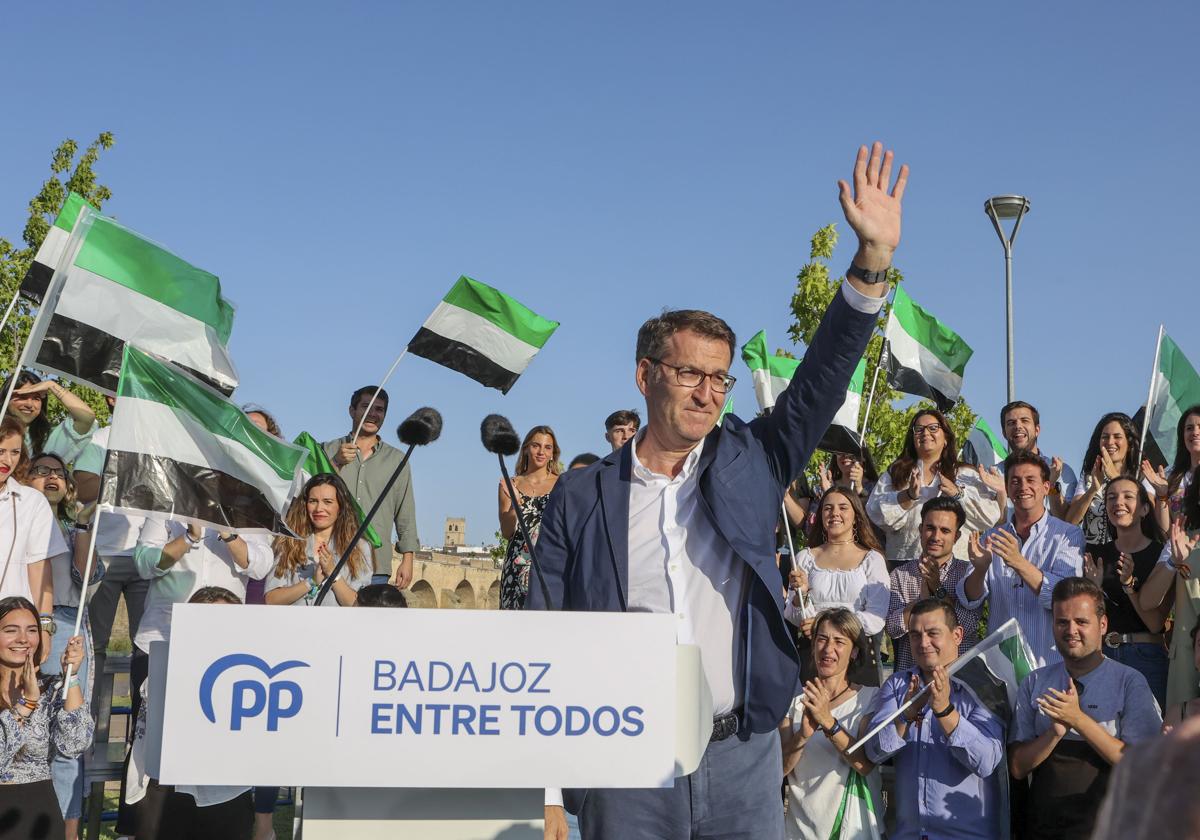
(1148, 659)
(67, 773)
(733, 795)
(377, 578)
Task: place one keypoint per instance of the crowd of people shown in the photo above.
(854, 635)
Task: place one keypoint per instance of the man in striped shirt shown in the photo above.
(935, 574)
(1017, 564)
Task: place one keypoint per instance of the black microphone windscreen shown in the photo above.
(499, 436)
(422, 427)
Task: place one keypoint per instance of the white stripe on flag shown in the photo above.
(457, 324)
(52, 246)
(155, 429)
(847, 415)
(151, 325)
(767, 388)
(911, 354)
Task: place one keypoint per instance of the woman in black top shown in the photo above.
(1121, 566)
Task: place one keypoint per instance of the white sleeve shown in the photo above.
(45, 539)
(859, 301)
(155, 534)
(554, 797)
(978, 501)
(260, 556)
(883, 505)
(872, 603)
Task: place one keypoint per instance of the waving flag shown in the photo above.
(318, 463)
(1174, 389)
(121, 287)
(180, 450)
(925, 357)
(482, 333)
(37, 278)
(983, 447)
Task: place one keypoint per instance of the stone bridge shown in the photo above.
(456, 582)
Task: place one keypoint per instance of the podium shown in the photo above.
(423, 723)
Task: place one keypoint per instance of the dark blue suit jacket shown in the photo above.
(583, 547)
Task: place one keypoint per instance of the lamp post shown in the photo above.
(1008, 207)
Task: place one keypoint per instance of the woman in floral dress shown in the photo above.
(538, 469)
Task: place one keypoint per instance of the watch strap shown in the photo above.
(944, 712)
(865, 276)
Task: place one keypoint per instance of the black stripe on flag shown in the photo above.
(840, 439)
(910, 381)
(462, 358)
(91, 355)
(151, 483)
(36, 282)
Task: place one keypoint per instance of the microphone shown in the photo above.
(421, 428)
(500, 438)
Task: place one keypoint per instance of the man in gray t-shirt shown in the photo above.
(1075, 717)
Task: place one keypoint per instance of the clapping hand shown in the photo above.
(946, 486)
(939, 689)
(1056, 468)
(30, 689)
(817, 702)
(931, 574)
(1093, 569)
(1157, 478)
(1062, 707)
(1108, 467)
(979, 556)
(1003, 544)
(872, 212)
(325, 563)
(914, 687)
(914, 484)
(1181, 548)
(992, 479)
(825, 474)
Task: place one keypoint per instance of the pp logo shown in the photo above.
(249, 698)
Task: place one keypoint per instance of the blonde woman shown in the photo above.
(538, 469)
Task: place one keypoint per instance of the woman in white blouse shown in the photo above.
(928, 466)
(841, 568)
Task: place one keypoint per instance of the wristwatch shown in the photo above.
(833, 730)
(871, 277)
(48, 624)
(231, 538)
(192, 543)
(940, 593)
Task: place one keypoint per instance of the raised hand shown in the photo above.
(30, 689)
(1181, 548)
(325, 562)
(931, 575)
(1056, 468)
(979, 556)
(826, 476)
(946, 486)
(1111, 468)
(914, 687)
(914, 484)
(1157, 478)
(992, 479)
(1125, 570)
(1005, 546)
(1093, 569)
(939, 690)
(871, 210)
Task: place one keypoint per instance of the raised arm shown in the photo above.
(803, 412)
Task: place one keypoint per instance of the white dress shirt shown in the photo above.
(679, 564)
(28, 535)
(208, 564)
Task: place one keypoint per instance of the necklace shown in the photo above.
(839, 542)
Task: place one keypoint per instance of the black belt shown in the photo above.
(1117, 639)
(724, 726)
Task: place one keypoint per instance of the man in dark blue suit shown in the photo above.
(682, 520)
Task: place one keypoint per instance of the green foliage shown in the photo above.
(70, 171)
(888, 422)
(500, 550)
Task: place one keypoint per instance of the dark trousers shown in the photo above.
(733, 795)
(165, 814)
(30, 812)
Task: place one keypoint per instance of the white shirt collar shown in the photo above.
(14, 487)
(645, 474)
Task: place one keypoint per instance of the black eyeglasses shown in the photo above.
(691, 378)
(42, 471)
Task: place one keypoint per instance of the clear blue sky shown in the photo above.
(339, 165)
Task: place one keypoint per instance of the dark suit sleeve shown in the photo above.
(802, 413)
(552, 554)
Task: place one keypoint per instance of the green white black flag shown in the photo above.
(41, 270)
(925, 357)
(483, 333)
(180, 450)
(1174, 389)
(983, 447)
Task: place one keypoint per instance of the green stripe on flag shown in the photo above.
(318, 463)
(1014, 652)
(120, 255)
(510, 315)
(145, 378)
(997, 443)
(757, 357)
(859, 378)
(931, 333)
(1183, 384)
(70, 211)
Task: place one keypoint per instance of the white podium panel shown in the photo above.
(260, 695)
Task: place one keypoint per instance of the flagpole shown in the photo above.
(862, 434)
(386, 377)
(1149, 396)
(12, 382)
(8, 312)
(87, 571)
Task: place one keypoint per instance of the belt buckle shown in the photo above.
(1113, 639)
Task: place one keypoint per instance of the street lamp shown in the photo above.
(1007, 207)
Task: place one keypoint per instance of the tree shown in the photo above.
(888, 423)
(14, 262)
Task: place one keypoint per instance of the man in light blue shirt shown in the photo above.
(1016, 565)
(948, 747)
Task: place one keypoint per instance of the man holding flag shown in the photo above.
(947, 745)
(682, 521)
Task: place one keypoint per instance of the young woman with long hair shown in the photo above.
(1177, 574)
(1112, 451)
(324, 517)
(928, 466)
(39, 717)
(28, 408)
(1171, 483)
(823, 722)
(49, 476)
(1121, 567)
(537, 471)
(842, 567)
